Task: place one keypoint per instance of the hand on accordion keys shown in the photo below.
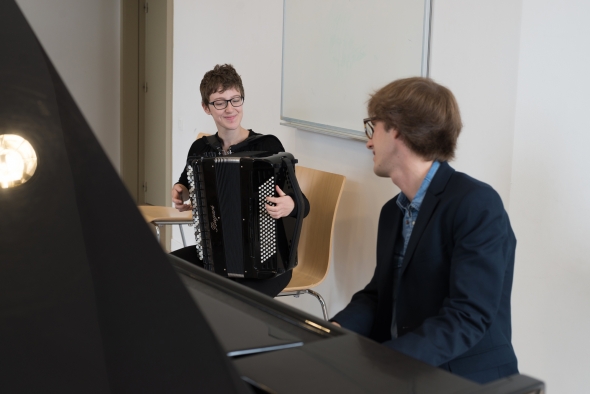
(281, 206)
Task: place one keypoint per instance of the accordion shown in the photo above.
(235, 235)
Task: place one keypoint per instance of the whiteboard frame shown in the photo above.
(343, 132)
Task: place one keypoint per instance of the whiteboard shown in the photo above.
(337, 52)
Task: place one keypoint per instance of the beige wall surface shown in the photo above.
(548, 201)
(82, 39)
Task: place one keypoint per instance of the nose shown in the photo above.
(370, 144)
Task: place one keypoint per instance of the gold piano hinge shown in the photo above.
(145, 87)
(317, 326)
(145, 187)
(145, 7)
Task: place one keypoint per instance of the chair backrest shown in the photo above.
(202, 135)
(323, 190)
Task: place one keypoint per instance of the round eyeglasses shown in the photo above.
(369, 127)
(222, 104)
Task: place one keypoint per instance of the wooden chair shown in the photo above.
(323, 190)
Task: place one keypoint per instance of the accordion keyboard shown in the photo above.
(267, 228)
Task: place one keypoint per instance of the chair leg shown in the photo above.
(182, 235)
(317, 295)
(321, 300)
(157, 232)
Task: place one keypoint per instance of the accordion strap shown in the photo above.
(213, 142)
(300, 204)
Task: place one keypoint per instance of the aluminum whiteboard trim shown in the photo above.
(425, 39)
(283, 58)
(324, 129)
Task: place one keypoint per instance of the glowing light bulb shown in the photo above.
(18, 160)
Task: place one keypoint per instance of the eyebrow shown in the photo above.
(231, 98)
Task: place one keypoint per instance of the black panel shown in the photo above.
(89, 301)
(227, 175)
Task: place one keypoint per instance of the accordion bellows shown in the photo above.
(235, 236)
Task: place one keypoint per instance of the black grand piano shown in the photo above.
(90, 303)
(278, 349)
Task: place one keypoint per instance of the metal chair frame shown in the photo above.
(317, 295)
(158, 224)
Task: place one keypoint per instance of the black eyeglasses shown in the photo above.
(369, 128)
(222, 104)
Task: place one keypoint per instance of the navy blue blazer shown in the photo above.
(453, 300)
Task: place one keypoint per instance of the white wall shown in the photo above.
(474, 52)
(519, 71)
(548, 203)
(82, 39)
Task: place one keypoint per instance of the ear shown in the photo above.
(206, 108)
(394, 133)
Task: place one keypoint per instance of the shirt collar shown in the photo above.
(404, 203)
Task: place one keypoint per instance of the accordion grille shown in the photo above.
(267, 228)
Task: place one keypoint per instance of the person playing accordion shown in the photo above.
(222, 96)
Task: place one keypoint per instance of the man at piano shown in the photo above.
(445, 248)
(222, 97)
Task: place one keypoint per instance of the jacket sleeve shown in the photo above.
(483, 248)
(359, 314)
(305, 207)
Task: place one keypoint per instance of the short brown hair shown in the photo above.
(221, 78)
(425, 114)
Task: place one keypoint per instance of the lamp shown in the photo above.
(18, 160)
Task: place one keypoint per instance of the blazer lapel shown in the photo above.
(385, 258)
(431, 199)
(388, 241)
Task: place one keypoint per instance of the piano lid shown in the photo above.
(88, 300)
